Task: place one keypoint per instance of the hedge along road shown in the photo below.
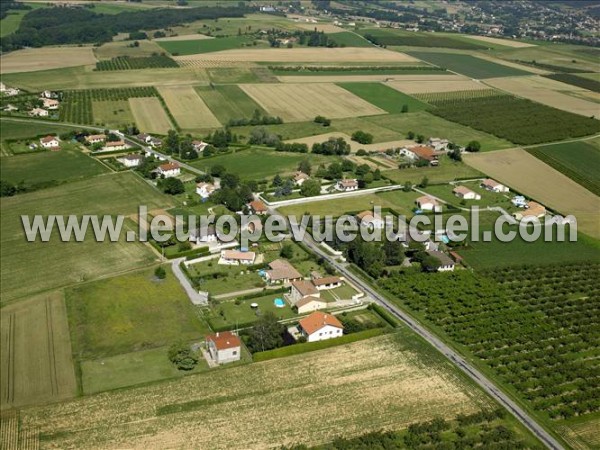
(489, 387)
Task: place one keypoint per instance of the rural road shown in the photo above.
(195, 298)
(487, 385)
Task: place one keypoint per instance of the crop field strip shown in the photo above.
(188, 109)
(398, 38)
(150, 116)
(36, 59)
(433, 97)
(535, 327)
(309, 100)
(384, 97)
(228, 102)
(129, 63)
(424, 85)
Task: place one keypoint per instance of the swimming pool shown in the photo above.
(445, 239)
(279, 303)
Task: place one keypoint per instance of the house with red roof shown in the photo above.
(320, 326)
(224, 347)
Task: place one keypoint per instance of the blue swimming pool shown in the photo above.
(279, 303)
(445, 239)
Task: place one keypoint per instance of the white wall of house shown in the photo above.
(224, 356)
(311, 307)
(327, 332)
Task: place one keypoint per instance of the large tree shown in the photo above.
(266, 334)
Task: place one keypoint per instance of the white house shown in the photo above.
(168, 170)
(11, 92)
(320, 326)
(205, 190)
(131, 160)
(224, 347)
(310, 304)
(439, 144)
(446, 263)
(38, 112)
(465, 193)
(532, 209)
(11, 108)
(199, 146)
(426, 203)
(300, 178)
(48, 94)
(204, 235)
(95, 138)
(235, 257)
(51, 142)
(325, 283)
(50, 103)
(370, 219)
(493, 185)
(154, 142)
(301, 289)
(347, 185)
(115, 145)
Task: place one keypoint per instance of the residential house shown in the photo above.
(199, 146)
(465, 193)
(281, 271)
(370, 219)
(168, 170)
(493, 185)
(131, 160)
(325, 283)
(257, 207)
(519, 201)
(439, 145)
(446, 263)
(48, 94)
(320, 326)
(300, 178)
(236, 257)
(426, 203)
(39, 112)
(205, 190)
(95, 138)
(421, 152)
(204, 235)
(347, 185)
(50, 103)
(224, 347)
(154, 142)
(51, 142)
(532, 209)
(301, 289)
(310, 303)
(143, 137)
(115, 145)
(11, 92)
(11, 108)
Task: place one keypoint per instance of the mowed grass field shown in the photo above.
(579, 160)
(34, 59)
(300, 102)
(112, 113)
(149, 115)
(36, 364)
(18, 129)
(228, 102)
(64, 263)
(468, 65)
(190, 112)
(386, 382)
(527, 174)
(194, 46)
(68, 164)
(384, 97)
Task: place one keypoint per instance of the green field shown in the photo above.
(179, 48)
(231, 278)
(349, 39)
(228, 102)
(234, 74)
(68, 164)
(448, 170)
(67, 263)
(130, 312)
(468, 65)
(394, 37)
(580, 161)
(13, 129)
(112, 113)
(384, 97)
(12, 21)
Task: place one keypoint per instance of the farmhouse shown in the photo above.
(50, 103)
(310, 304)
(325, 283)
(465, 193)
(426, 203)
(199, 146)
(205, 190)
(257, 207)
(421, 152)
(95, 138)
(131, 160)
(493, 185)
(446, 263)
(370, 219)
(347, 185)
(439, 144)
(38, 112)
(533, 209)
(281, 271)
(301, 289)
(50, 142)
(235, 257)
(169, 170)
(300, 178)
(204, 235)
(320, 326)
(224, 347)
(115, 145)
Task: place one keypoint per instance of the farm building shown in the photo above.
(51, 142)
(347, 185)
(532, 209)
(446, 263)
(95, 138)
(205, 190)
(281, 271)
(236, 257)
(131, 160)
(426, 203)
(300, 178)
(370, 219)
(493, 185)
(325, 283)
(257, 207)
(224, 347)
(168, 170)
(320, 326)
(204, 235)
(465, 193)
(421, 152)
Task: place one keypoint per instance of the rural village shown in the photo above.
(382, 113)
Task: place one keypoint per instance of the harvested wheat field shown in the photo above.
(527, 174)
(34, 59)
(547, 92)
(301, 102)
(354, 146)
(184, 37)
(36, 352)
(506, 42)
(582, 435)
(297, 55)
(352, 78)
(189, 110)
(445, 85)
(149, 115)
(380, 383)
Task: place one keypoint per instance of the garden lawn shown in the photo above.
(448, 170)
(130, 312)
(231, 278)
(444, 191)
(384, 97)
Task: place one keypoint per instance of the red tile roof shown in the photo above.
(224, 340)
(318, 320)
(258, 206)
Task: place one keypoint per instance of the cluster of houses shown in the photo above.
(107, 146)
(50, 103)
(8, 91)
(305, 295)
(155, 142)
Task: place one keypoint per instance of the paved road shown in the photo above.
(521, 415)
(195, 298)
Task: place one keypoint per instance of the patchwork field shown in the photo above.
(309, 100)
(149, 115)
(228, 102)
(190, 112)
(36, 364)
(219, 409)
(64, 263)
(295, 55)
(547, 92)
(34, 59)
(112, 113)
(380, 95)
(527, 174)
(424, 86)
